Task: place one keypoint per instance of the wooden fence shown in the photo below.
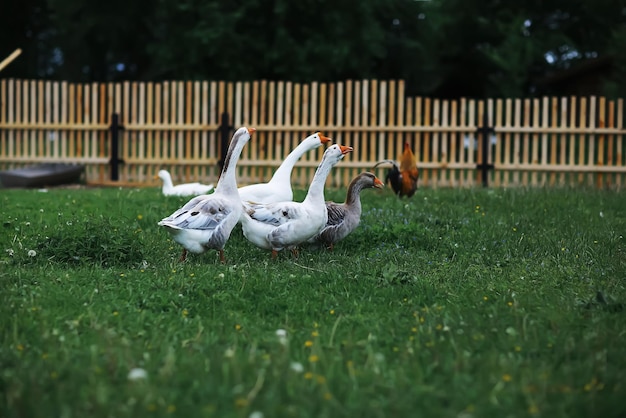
(174, 125)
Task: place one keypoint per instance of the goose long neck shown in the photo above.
(284, 171)
(228, 180)
(353, 197)
(167, 182)
(316, 189)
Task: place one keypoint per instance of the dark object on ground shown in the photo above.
(41, 175)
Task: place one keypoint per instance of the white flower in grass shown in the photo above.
(296, 367)
(137, 374)
(32, 253)
(256, 414)
(10, 252)
(282, 336)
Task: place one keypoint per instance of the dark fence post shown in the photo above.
(115, 160)
(485, 131)
(224, 130)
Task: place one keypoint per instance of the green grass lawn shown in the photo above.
(456, 303)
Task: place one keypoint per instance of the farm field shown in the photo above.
(455, 303)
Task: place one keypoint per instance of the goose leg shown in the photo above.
(183, 256)
(274, 254)
(295, 252)
(222, 259)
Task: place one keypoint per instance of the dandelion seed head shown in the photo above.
(296, 367)
(137, 374)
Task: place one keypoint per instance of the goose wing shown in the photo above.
(202, 212)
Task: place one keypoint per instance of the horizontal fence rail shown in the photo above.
(176, 125)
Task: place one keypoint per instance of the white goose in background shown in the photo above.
(187, 189)
(275, 226)
(278, 189)
(206, 221)
(343, 218)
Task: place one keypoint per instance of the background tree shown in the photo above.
(444, 48)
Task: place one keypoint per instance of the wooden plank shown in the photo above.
(165, 138)
(591, 139)
(393, 148)
(454, 143)
(246, 107)
(302, 176)
(46, 147)
(463, 175)
(271, 136)
(160, 149)
(517, 122)
(426, 138)
(545, 109)
(72, 116)
(555, 139)
(382, 120)
(339, 113)
(180, 120)
(150, 139)
(187, 119)
(610, 181)
(291, 141)
(581, 138)
(144, 175)
(56, 111)
(253, 145)
(601, 121)
(564, 140)
(65, 110)
(93, 146)
(443, 153)
(534, 151)
(588, 169)
(104, 114)
(4, 103)
(280, 148)
(497, 160)
(526, 140)
(203, 110)
(619, 146)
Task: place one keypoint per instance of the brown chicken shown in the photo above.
(402, 177)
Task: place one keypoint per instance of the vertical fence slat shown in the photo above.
(534, 151)
(545, 107)
(525, 139)
(599, 160)
(619, 155)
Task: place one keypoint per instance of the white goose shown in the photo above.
(278, 189)
(187, 189)
(275, 226)
(206, 221)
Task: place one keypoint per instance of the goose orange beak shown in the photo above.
(378, 184)
(324, 139)
(345, 149)
(251, 130)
